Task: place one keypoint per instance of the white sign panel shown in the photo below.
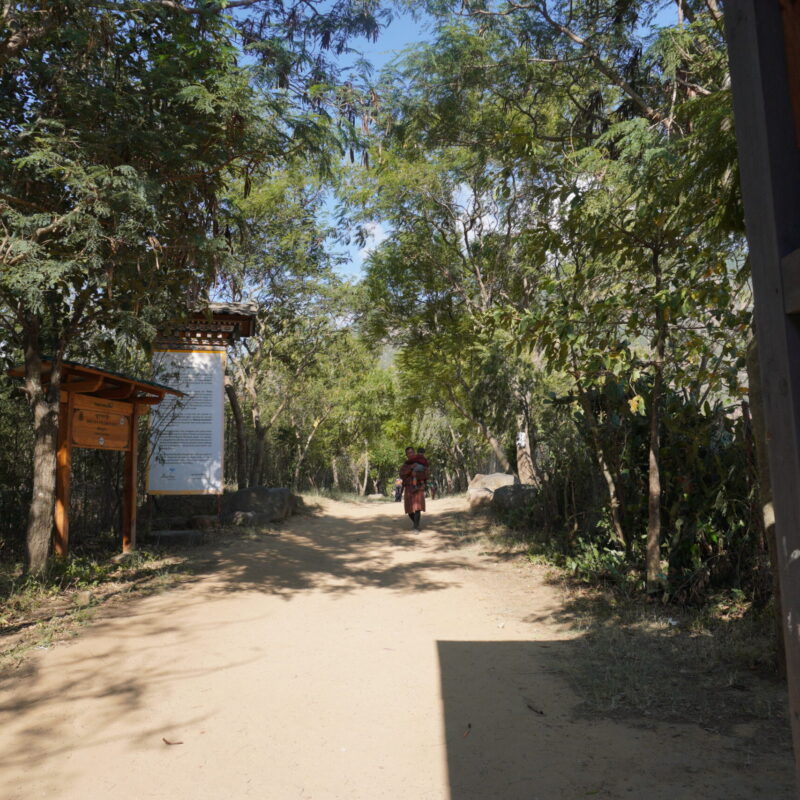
(186, 433)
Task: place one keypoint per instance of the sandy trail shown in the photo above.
(346, 658)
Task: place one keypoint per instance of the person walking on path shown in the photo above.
(414, 474)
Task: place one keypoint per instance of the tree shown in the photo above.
(584, 147)
(121, 124)
(116, 128)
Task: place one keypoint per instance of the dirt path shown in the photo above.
(345, 658)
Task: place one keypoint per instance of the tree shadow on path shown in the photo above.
(324, 552)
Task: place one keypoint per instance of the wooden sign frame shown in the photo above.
(109, 397)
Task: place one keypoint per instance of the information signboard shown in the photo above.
(101, 424)
(186, 434)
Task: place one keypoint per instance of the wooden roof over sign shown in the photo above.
(213, 327)
(102, 383)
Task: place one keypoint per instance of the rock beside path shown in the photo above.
(507, 498)
(481, 488)
(268, 503)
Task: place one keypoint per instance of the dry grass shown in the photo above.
(635, 659)
(705, 667)
(39, 613)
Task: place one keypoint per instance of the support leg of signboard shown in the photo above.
(131, 488)
(150, 508)
(63, 478)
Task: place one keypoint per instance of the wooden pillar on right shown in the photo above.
(769, 159)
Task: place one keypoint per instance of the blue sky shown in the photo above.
(401, 33)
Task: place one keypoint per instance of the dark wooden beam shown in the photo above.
(769, 161)
(88, 386)
(118, 393)
(790, 10)
(790, 270)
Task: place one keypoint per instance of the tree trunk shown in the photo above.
(461, 462)
(366, 469)
(608, 477)
(488, 436)
(335, 473)
(525, 469)
(303, 450)
(448, 482)
(241, 440)
(653, 555)
(765, 491)
(44, 405)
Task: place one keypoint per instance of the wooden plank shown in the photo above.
(101, 404)
(63, 479)
(790, 269)
(790, 12)
(86, 387)
(100, 429)
(122, 393)
(769, 162)
(131, 489)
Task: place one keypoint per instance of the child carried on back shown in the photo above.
(419, 468)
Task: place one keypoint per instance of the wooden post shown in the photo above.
(63, 477)
(131, 486)
(769, 161)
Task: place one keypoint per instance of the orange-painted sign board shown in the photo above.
(100, 404)
(101, 424)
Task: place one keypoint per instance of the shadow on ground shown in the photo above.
(634, 660)
(512, 729)
(314, 552)
(512, 733)
(322, 551)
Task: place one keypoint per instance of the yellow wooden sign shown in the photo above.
(100, 404)
(102, 424)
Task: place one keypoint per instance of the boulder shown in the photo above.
(507, 498)
(240, 518)
(492, 482)
(482, 488)
(479, 498)
(270, 504)
(248, 519)
(376, 496)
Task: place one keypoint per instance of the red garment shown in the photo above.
(414, 495)
(414, 499)
(408, 474)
